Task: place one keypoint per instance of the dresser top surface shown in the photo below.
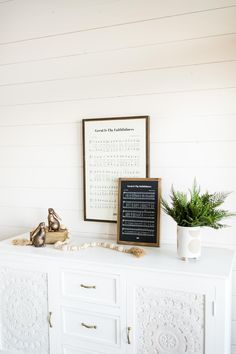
(214, 262)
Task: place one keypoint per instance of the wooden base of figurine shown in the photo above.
(54, 236)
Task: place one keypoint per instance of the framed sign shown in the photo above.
(112, 148)
(139, 211)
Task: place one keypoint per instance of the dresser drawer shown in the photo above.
(91, 327)
(90, 287)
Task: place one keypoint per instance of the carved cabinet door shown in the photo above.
(168, 316)
(23, 312)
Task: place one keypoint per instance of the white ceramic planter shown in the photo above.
(188, 242)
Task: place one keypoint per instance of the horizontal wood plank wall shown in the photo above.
(62, 61)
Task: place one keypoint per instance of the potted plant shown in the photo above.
(192, 211)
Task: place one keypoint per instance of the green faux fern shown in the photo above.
(197, 210)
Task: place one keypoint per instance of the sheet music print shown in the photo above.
(113, 152)
(138, 213)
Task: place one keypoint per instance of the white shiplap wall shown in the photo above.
(64, 60)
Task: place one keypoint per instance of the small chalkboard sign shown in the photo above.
(139, 211)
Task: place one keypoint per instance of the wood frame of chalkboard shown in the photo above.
(138, 220)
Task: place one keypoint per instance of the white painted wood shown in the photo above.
(206, 128)
(204, 76)
(209, 177)
(153, 311)
(81, 231)
(71, 177)
(23, 320)
(190, 155)
(213, 23)
(64, 134)
(39, 156)
(234, 281)
(233, 333)
(67, 198)
(87, 287)
(70, 350)
(34, 177)
(192, 109)
(73, 219)
(217, 154)
(9, 231)
(213, 102)
(167, 284)
(104, 331)
(166, 255)
(234, 308)
(71, 133)
(190, 52)
(70, 16)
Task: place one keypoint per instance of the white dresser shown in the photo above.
(99, 301)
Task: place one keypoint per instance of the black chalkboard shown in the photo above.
(139, 211)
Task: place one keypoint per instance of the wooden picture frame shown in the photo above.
(139, 211)
(112, 148)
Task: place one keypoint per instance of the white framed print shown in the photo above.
(113, 148)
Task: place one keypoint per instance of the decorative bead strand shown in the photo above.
(65, 246)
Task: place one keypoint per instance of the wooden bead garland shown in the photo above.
(64, 246)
